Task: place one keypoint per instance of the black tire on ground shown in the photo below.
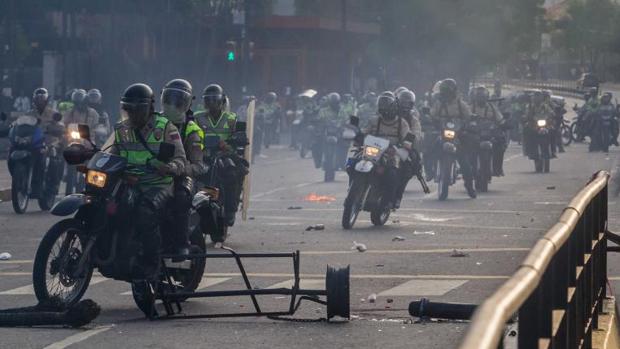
(538, 166)
(46, 196)
(353, 204)
(380, 214)
(567, 135)
(70, 228)
(19, 188)
(443, 187)
(546, 165)
(337, 286)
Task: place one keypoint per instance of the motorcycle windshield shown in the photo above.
(26, 120)
(108, 163)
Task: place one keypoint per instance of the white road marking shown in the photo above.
(79, 337)
(438, 250)
(550, 203)
(423, 288)
(204, 283)
(277, 190)
(306, 284)
(29, 289)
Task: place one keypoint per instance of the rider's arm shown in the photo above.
(195, 166)
(177, 164)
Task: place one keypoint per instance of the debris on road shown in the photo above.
(457, 253)
(551, 187)
(50, 313)
(319, 198)
(398, 238)
(415, 232)
(389, 300)
(396, 221)
(316, 227)
(424, 218)
(294, 208)
(359, 247)
(5, 256)
(372, 298)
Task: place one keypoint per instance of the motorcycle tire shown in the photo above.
(567, 135)
(19, 188)
(546, 165)
(47, 197)
(444, 180)
(353, 204)
(40, 267)
(538, 166)
(573, 131)
(380, 215)
(482, 179)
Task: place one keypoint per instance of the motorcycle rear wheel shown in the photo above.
(57, 257)
(566, 133)
(19, 189)
(443, 186)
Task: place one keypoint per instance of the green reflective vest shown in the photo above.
(137, 155)
(192, 127)
(223, 128)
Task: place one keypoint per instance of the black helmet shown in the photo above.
(271, 97)
(176, 98)
(405, 101)
(606, 98)
(78, 96)
(137, 104)
(94, 96)
(213, 97)
(333, 100)
(479, 94)
(40, 97)
(400, 89)
(385, 106)
(447, 89)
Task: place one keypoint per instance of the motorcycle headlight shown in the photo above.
(74, 135)
(449, 134)
(96, 178)
(541, 123)
(371, 151)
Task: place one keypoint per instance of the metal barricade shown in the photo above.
(558, 290)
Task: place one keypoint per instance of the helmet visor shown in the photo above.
(137, 113)
(213, 101)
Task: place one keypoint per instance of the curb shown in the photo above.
(5, 194)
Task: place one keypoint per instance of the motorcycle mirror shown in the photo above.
(241, 126)
(354, 120)
(76, 154)
(212, 142)
(57, 117)
(166, 152)
(84, 131)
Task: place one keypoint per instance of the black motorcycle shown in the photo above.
(487, 134)
(101, 234)
(332, 142)
(602, 136)
(29, 154)
(367, 183)
(540, 148)
(447, 166)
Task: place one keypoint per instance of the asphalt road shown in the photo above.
(492, 233)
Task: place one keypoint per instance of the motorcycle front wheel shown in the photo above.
(445, 174)
(353, 203)
(566, 133)
(19, 188)
(56, 264)
(380, 214)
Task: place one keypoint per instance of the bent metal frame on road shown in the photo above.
(558, 290)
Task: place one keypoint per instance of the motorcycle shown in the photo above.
(366, 188)
(487, 131)
(100, 235)
(447, 166)
(541, 146)
(30, 154)
(332, 137)
(73, 178)
(579, 127)
(603, 136)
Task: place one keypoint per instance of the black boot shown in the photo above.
(469, 186)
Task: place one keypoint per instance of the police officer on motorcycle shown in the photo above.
(483, 109)
(605, 110)
(176, 100)
(216, 121)
(387, 124)
(138, 138)
(81, 113)
(405, 109)
(450, 106)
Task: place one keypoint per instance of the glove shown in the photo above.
(161, 167)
